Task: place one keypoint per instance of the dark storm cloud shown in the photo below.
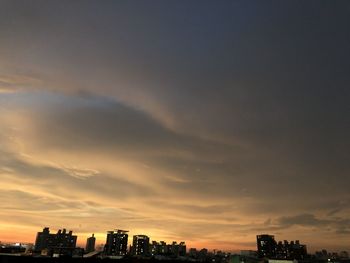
(303, 219)
(202, 169)
(330, 225)
(93, 122)
(276, 81)
(337, 224)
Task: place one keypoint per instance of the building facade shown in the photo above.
(90, 244)
(62, 242)
(116, 243)
(266, 246)
(140, 245)
(269, 248)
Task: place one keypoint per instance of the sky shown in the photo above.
(201, 121)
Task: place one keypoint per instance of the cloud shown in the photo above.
(81, 173)
(338, 225)
(303, 220)
(10, 83)
(262, 86)
(118, 174)
(89, 135)
(5, 90)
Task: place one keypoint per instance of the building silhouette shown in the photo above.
(269, 248)
(140, 245)
(116, 243)
(43, 240)
(266, 246)
(182, 249)
(162, 248)
(90, 244)
(62, 242)
(291, 250)
(176, 249)
(154, 248)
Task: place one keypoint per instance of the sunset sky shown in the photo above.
(201, 121)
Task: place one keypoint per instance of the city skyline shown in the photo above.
(266, 244)
(206, 121)
(130, 240)
(117, 243)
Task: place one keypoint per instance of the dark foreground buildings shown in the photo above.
(116, 243)
(266, 246)
(162, 248)
(269, 248)
(291, 250)
(90, 244)
(62, 242)
(140, 245)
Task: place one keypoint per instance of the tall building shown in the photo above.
(176, 249)
(182, 249)
(173, 249)
(116, 243)
(192, 252)
(140, 245)
(43, 239)
(90, 244)
(267, 246)
(162, 248)
(62, 243)
(291, 250)
(296, 250)
(154, 248)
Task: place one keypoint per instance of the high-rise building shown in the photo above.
(296, 250)
(193, 253)
(282, 251)
(182, 249)
(267, 246)
(140, 245)
(62, 243)
(43, 239)
(116, 243)
(203, 254)
(162, 248)
(154, 248)
(90, 244)
(173, 249)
